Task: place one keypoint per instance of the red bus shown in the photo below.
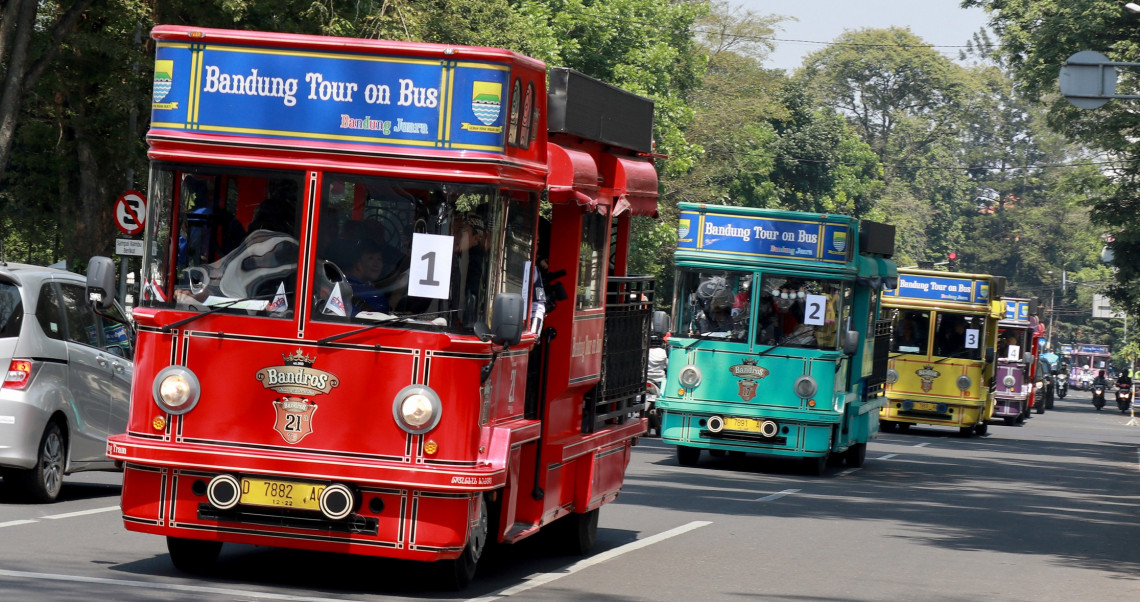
(341, 343)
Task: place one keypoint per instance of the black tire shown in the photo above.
(966, 431)
(581, 531)
(43, 482)
(816, 467)
(903, 426)
(1039, 406)
(1049, 401)
(458, 572)
(1009, 420)
(193, 555)
(856, 455)
(718, 453)
(886, 426)
(688, 456)
(981, 429)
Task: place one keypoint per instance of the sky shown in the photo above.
(941, 23)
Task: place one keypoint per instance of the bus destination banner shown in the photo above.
(940, 288)
(369, 99)
(747, 236)
(1017, 310)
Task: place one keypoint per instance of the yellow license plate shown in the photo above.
(926, 407)
(281, 494)
(742, 424)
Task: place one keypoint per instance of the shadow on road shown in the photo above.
(1030, 494)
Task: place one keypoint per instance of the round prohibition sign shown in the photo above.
(130, 212)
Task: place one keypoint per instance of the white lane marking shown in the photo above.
(229, 593)
(539, 579)
(776, 496)
(13, 523)
(82, 513)
(848, 471)
(921, 444)
(887, 457)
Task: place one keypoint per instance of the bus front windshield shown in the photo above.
(959, 335)
(425, 254)
(790, 311)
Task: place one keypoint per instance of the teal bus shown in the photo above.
(776, 346)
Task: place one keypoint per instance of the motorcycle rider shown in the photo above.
(1123, 383)
(1101, 382)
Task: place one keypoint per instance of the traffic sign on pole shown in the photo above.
(130, 212)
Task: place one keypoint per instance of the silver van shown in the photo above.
(68, 379)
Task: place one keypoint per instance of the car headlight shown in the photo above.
(805, 387)
(964, 382)
(892, 376)
(690, 376)
(1009, 380)
(417, 409)
(176, 390)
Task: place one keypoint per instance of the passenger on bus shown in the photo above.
(951, 335)
(907, 335)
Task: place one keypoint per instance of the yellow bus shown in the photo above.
(941, 368)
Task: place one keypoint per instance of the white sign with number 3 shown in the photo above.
(814, 308)
(972, 338)
(430, 273)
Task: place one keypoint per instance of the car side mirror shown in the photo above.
(850, 342)
(101, 282)
(660, 324)
(507, 319)
(990, 355)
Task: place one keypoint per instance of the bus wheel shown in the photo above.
(580, 531)
(458, 572)
(1009, 420)
(817, 466)
(981, 429)
(688, 456)
(718, 453)
(193, 555)
(886, 426)
(856, 455)
(966, 431)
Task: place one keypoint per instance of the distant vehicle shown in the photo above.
(68, 382)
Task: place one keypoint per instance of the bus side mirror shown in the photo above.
(850, 342)
(101, 282)
(989, 355)
(1027, 357)
(660, 325)
(507, 319)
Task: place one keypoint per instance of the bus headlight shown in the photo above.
(964, 382)
(417, 409)
(176, 390)
(690, 376)
(805, 387)
(892, 376)
(1009, 380)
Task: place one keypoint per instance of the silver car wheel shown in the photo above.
(51, 462)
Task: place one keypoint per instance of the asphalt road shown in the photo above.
(1048, 510)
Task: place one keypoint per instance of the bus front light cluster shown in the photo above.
(805, 387)
(417, 409)
(892, 376)
(1009, 381)
(964, 382)
(690, 376)
(176, 390)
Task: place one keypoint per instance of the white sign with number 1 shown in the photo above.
(430, 273)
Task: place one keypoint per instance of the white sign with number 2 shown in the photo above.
(430, 273)
(814, 306)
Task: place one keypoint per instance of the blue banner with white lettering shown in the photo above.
(343, 97)
(1093, 349)
(940, 288)
(748, 236)
(1017, 310)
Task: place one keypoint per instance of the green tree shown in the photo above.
(1038, 36)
